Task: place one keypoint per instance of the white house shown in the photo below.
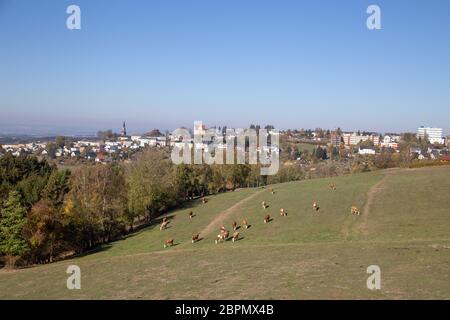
(366, 151)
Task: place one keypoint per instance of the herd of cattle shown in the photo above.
(224, 234)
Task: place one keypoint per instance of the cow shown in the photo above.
(204, 200)
(355, 210)
(315, 206)
(164, 225)
(168, 243)
(195, 237)
(218, 238)
(235, 236)
(191, 214)
(267, 218)
(234, 225)
(225, 235)
(272, 191)
(245, 223)
(283, 212)
(264, 205)
(332, 186)
(222, 236)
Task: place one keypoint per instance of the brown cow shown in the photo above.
(245, 223)
(164, 225)
(191, 214)
(332, 186)
(283, 212)
(355, 210)
(315, 206)
(264, 205)
(218, 238)
(225, 235)
(234, 225)
(168, 243)
(195, 237)
(235, 236)
(267, 218)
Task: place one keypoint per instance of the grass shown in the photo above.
(404, 228)
(306, 147)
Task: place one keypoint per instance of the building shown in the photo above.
(352, 139)
(199, 128)
(434, 135)
(366, 151)
(335, 139)
(124, 130)
(389, 142)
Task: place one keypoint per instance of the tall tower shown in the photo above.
(124, 129)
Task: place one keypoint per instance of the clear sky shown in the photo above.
(163, 64)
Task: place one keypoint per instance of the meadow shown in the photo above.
(404, 228)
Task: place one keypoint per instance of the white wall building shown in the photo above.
(352, 139)
(434, 135)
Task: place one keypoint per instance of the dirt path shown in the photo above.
(218, 220)
(361, 226)
(371, 194)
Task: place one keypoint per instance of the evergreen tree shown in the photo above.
(12, 222)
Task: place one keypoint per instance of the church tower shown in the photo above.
(124, 130)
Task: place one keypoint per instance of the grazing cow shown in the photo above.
(332, 186)
(245, 223)
(315, 206)
(218, 239)
(267, 218)
(355, 210)
(234, 225)
(225, 235)
(235, 236)
(164, 225)
(168, 243)
(283, 212)
(204, 200)
(195, 237)
(264, 205)
(222, 236)
(191, 214)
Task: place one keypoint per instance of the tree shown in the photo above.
(154, 133)
(96, 205)
(60, 141)
(45, 230)
(45, 223)
(106, 135)
(51, 150)
(152, 186)
(57, 187)
(12, 223)
(320, 153)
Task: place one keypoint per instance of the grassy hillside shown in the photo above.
(404, 228)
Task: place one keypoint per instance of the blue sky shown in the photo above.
(167, 63)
